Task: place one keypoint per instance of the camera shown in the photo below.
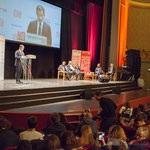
(100, 136)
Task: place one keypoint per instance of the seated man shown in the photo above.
(111, 71)
(79, 72)
(140, 81)
(31, 134)
(71, 68)
(98, 69)
(64, 68)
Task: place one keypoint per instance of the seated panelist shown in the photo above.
(111, 71)
(98, 69)
(79, 72)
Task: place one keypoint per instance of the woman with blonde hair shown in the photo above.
(116, 137)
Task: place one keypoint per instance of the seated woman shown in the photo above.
(125, 113)
(117, 137)
(142, 134)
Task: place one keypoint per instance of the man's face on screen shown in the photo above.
(40, 15)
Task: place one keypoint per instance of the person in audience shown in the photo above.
(64, 68)
(98, 69)
(68, 141)
(24, 145)
(147, 108)
(140, 81)
(38, 145)
(142, 134)
(111, 71)
(139, 121)
(136, 112)
(52, 142)
(79, 72)
(31, 133)
(125, 113)
(142, 109)
(7, 137)
(108, 114)
(116, 137)
(57, 127)
(87, 120)
(87, 139)
(67, 125)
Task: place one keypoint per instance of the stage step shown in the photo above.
(32, 97)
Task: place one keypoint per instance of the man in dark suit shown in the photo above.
(39, 26)
(111, 71)
(98, 69)
(19, 54)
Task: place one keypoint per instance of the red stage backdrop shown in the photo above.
(83, 58)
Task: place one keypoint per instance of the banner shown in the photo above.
(76, 57)
(2, 56)
(85, 61)
(83, 58)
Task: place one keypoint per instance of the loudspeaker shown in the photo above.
(133, 61)
(87, 94)
(116, 90)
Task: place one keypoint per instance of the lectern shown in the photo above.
(27, 65)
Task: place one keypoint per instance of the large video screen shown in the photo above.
(30, 21)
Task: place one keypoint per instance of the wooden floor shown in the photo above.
(79, 105)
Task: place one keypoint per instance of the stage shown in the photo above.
(49, 91)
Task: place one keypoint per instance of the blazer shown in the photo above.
(62, 68)
(18, 55)
(46, 31)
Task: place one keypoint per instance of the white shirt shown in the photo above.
(38, 24)
(140, 82)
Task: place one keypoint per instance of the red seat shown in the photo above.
(11, 148)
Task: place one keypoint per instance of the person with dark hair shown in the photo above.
(68, 140)
(37, 144)
(7, 137)
(139, 121)
(57, 127)
(52, 142)
(19, 54)
(24, 145)
(142, 109)
(98, 69)
(39, 26)
(108, 114)
(31, 134)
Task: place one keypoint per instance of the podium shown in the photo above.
(26, 62)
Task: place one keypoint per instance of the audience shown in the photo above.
(142, 134)
(31, 133)
(142, 109)
(7, 137)
(57, 127)
(139, 121)
(147, 108)
(37, 144)
(117, 137)
(24, 145)
(68, 141)
(52, 142)
(125, 113)
(87, 120)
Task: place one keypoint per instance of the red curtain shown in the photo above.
(93, 33)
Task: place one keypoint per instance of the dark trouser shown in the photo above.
(18, 72)
(107, 123)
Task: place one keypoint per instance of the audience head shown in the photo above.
(4, 123)
(139, 121)
(147, 106)
(55, 118)
(88, 115)
(37, 144)
(136, 111)
(32, 122)
(117, 132)
(68, 140)
(52, 142)
(98, 95)
(87, 134)
(62, 118)
(127, 105)
(141, 107)
(24, 145)
(142, 133)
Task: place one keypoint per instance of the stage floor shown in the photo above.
(48, 83)
(79, 105)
